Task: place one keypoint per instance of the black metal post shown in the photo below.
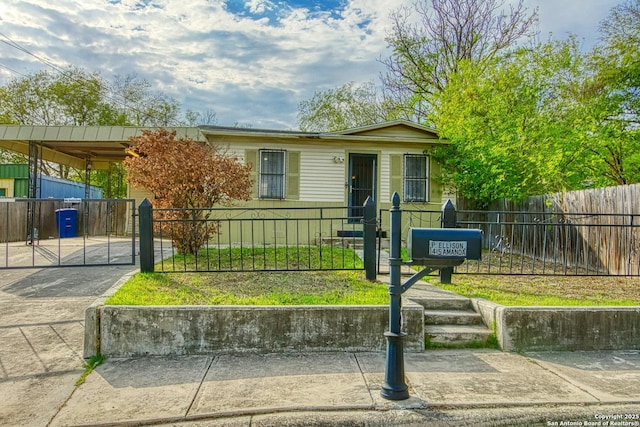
(448, 221)
(369, 238)
(146, 236)
(87, 178)
(394, 387)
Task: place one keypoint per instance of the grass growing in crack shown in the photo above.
(490, 342)
(89, 366)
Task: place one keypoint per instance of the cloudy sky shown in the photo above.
(250, 61)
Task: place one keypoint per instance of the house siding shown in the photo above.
(321, 178)
(320, 164)
(397, 131)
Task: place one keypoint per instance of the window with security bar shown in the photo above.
(272, 174)
(416, 178)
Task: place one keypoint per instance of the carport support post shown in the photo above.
(394, 386)
(146, 236)
(448, 221)
(369, 239)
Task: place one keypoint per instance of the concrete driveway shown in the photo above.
(41, 337)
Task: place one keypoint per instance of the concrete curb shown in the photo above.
(544, 328)
(92, 319)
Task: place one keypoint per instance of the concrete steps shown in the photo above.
(452, 322)
(452, 317)
(346, 242)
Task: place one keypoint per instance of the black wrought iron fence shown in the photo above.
(257, 239)
(538, 243)
(543, 243)
(410, 218)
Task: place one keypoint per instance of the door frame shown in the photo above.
(374, 157)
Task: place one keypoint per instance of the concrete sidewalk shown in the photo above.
(447, 387)
(41, 330)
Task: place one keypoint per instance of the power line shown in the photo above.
(65, 73)
(15, 45)
(12, 70)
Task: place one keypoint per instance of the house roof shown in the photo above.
(392, 131)
(101, 145)
(73, 145)
(389, 124)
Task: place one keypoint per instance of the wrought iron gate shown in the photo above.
(41, 233)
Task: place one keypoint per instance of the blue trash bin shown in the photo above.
(67, 222)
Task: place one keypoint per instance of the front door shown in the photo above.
(362, 182)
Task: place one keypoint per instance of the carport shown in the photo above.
(80, 147)
(88, 148)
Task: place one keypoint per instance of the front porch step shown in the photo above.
(443, 303)
(457, 335)
(451, 321)
(452, 317)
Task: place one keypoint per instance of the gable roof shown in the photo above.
(393, 125)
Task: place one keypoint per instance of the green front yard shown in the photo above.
(251, 288)
(350, 287)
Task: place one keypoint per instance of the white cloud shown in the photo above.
(253, 66)
(260, 6)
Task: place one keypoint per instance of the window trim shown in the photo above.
(406, 179)
(283, 175)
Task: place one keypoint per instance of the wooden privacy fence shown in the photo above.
(590, 232)
(35, 219)
(555, 243)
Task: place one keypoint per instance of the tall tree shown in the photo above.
(344, 107)
(133, 98)
(79, 98)
(611, 100)
(196, 118)
(182, 173)
(512, 124)
(428, 48)
(73, 97)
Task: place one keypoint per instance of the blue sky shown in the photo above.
(250, 61)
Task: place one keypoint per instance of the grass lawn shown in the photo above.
(350, 287)
(547, 290)
(251, 288)
(264, 258)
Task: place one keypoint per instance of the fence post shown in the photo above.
(369, 239)
(448, 220)
(146, 236)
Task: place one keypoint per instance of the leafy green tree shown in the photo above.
(74, 97)
(430, 41)
(511, 124)
(611, 100)
(344, 107)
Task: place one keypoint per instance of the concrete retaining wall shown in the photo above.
(124, 331)
(562, 328)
